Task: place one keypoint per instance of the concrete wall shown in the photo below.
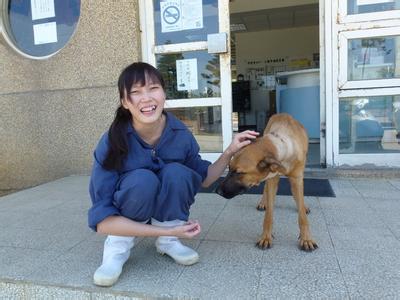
(53, 112)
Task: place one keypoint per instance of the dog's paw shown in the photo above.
(307, 245)
(261, 206)
(264, 243)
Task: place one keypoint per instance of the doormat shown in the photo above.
(312, 187)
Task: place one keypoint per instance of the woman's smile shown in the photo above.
(148, 110)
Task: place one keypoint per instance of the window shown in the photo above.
(38, 29)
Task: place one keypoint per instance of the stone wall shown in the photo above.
(52, 112)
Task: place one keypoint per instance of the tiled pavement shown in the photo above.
(48, 252)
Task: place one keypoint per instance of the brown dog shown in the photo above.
(282, 150)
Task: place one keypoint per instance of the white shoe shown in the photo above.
(171, 245)
(116, 252)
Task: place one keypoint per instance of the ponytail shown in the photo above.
(118, 148)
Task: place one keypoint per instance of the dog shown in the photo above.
(282, 150)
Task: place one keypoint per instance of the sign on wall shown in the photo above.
(42, 9)
(178, 15)
(186, 74)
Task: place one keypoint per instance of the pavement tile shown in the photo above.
(10, 291)
(361, 216)
(206, 215)
(340, 183)
(237, 225)
(223, 282)
(284, 256)
(233, 254)
(25, 238)
(209, 199)
(149, 272)
(360, 238)
(379, 188)
(342, 202)
(384, 204)
(20, 263)
(346, 192)
(36, 292)
(45, 240)
(71, 268)
(313, 281)
(395, 183)
(372, 274)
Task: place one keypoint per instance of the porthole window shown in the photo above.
(38, 29)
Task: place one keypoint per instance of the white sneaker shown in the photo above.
(116, 252)
(171, 245)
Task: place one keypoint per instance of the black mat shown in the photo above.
(312, 187)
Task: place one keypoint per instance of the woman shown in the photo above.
(146, 172)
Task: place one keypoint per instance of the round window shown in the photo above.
(38, 29)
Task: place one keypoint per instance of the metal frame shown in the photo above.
(7, 38)
(344, 37)
(149, 51)
(325, 40)
(370, 25)
(375, 16)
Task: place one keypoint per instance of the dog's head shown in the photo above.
(249, 167)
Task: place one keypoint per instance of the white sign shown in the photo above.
(177, 15)
(45, 33)
(42, 9)
(370, 2)
(186, 74)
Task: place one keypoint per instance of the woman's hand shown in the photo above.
(188, 230)
(240, 140)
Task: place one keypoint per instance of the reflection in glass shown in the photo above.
(374, 58)
(369, 124)
(173, 36)
(208, 74)
(365, 6)
(204, 123)
(37, 43)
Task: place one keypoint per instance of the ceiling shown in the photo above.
(277, 18)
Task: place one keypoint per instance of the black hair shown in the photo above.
(136, 73)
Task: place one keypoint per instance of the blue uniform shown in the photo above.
(155, 182)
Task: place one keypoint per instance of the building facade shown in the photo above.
(229, 66)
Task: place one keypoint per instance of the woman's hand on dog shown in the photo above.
(241, 140)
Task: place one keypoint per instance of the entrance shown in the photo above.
(231, 65)
(275, 65)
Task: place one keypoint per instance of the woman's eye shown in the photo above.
(133, 92)
(154, 87)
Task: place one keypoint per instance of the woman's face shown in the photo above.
(145, 103)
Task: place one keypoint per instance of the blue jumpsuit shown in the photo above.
(155, 182)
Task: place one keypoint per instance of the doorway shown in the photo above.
(275, 65)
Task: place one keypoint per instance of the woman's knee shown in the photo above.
(136, 194)
(176, 172)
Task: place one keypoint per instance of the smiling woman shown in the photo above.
(147, 169)
(38, 29)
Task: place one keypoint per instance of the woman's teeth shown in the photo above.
(148, 109)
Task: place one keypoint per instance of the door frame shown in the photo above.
(327, 73)
(149, 51)
(345, 27)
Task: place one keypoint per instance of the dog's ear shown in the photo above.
(274, 165)
(262, 165)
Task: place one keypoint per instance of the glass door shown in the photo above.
(367, 110)
(187, 40)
